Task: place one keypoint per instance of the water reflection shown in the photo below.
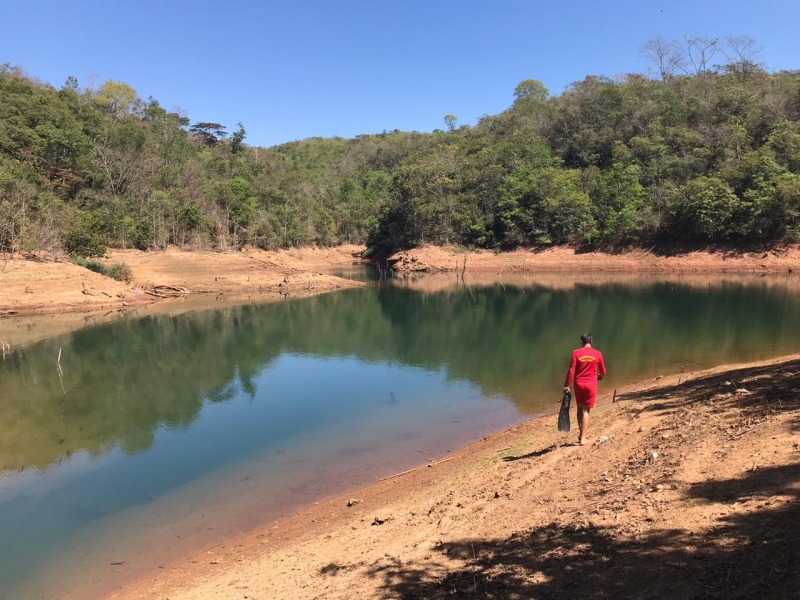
(124, 380)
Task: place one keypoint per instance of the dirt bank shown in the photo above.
(690, 490)
(55, 285)
(48, 285)
(434, 258)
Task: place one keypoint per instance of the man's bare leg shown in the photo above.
(583, 425)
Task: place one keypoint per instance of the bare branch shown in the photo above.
(666, 56)
(742, 54)
(699, 52)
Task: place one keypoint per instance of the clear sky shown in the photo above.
(295, 69)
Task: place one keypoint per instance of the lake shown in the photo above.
(162, 434)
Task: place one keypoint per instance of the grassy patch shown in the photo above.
(118, 271)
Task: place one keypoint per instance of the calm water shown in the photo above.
(169, 433)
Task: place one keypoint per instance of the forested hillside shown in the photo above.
(698, 155)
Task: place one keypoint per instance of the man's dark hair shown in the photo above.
(586, 338)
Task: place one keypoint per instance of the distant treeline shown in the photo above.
(700, 155)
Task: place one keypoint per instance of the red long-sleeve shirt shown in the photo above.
(586, 364)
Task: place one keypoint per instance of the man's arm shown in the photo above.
(601, 368)
(570, 372)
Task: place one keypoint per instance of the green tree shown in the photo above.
(237, 139)
(618, 199)
(208, 133)
(530, 91)
(543, 206)
(116, 97)
(84, 236)
(236, 199)
(784, 142)
(705, 210)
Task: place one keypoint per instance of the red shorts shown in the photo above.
(585, 394)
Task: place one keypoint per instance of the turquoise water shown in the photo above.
(167, 433)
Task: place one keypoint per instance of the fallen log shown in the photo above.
(166, 291)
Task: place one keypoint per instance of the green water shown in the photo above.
(168, 432)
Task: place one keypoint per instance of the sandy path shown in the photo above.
(690, 491)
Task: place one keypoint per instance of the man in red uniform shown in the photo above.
(586, 367)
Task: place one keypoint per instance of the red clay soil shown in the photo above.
(690, 489)
(435, 258)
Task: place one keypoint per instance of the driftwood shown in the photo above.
(399, 474)
(431, 464)
(165, 291)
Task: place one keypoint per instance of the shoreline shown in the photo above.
(20, 330)
(41, 285)
(54, 285)
(432, 259)
(406, 535)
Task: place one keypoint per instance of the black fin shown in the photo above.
(563, 414)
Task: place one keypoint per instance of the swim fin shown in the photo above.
(563, 414)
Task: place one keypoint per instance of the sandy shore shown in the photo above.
(50, 285)
(690, 490)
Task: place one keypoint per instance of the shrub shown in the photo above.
(118, 271)
(84, 236)
(143, 234)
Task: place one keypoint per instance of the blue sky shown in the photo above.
(295, 69)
